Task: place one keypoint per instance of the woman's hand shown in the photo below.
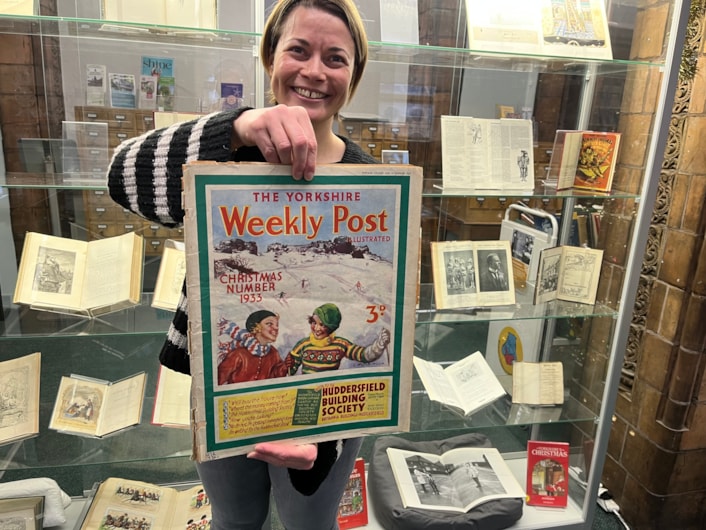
(283, 134)
(286, 454)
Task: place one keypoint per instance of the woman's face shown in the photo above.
(313, 63)
(317, 327)
(269, 328)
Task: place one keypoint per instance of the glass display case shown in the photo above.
(407, 87)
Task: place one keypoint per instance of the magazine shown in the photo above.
(456, 481)
(547, 473)
(318, 280)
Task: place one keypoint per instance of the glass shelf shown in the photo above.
(381, 52)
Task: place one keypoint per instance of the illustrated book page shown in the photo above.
(584, 160)
(121, 503)
(563, 28)
(90, 407)
(568, 273)
(547, 473)
(172, 404)
(353, 508)
(487, 153)
(472, 274)
(539, 383)
(317, 280)
(170, 277)
(25, 513)
(457, 481)
(70, 276)
(19, 397)
(464, 386)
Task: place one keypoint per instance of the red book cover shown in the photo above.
(596, 161)
(353, 509)
(547, 473)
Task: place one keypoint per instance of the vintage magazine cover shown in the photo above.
(547, 473)
(317, 280)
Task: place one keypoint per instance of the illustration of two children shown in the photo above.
(248, 354)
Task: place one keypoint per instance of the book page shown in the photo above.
(538, 383)
(172, 404)
(110, 270)
(123, 404)
(51, 272)
(455, 274)
(579, 274)
(192, 509)
(548, 275)
(170, 278)
(19, 397)
(464, 151)
(78, 405)
(121, 503)
(511, 154)
(436, 383)
(474, 382)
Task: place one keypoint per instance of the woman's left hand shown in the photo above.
(286, 454)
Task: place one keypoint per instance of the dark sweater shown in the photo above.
(145, 177)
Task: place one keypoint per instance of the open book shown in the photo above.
(457, 481)
(584, 160)
(172, 403)
(79, 277)
(481, 153)
(568, 273)
(121, 503)
(91, 407)
(465, 386)
(170, 278)
(19, 391)
(538, 383)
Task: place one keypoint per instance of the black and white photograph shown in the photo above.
(493, 270)
(460, 272)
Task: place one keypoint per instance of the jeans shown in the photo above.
(239, 492)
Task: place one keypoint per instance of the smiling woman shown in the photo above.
(315, 52)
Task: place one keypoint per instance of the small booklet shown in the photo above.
(172, 402)
(472, 274)
(456, 481)
(547, 473)
(538, 383)
(26, 513)
(121, 503)
(95, 408)
(464, 386)
(170, 278)
(568, 273)
(19, 397)
(584, 160)
(79, 277)
(491, 154)
(353, 508)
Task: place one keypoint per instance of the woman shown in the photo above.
(315, 52)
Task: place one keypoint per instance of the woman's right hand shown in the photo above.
(283, 134)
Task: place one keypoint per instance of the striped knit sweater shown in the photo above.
(145, 177)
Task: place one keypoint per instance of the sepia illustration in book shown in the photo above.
(95, 408)
(122, 503)
(301, 301)
(19, 397)
(568, 273)
(22, 513)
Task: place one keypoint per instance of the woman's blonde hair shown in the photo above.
(343, 9)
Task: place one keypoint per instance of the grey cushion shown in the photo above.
(392, 515)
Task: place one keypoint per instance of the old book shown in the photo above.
(353, 508)
(338, 256)
(584, 160)
(540, 383)
(480, 153)
(19, 397)
(457, 480)
(568, 273)
(26, 513)
(172, 404)
(547, 473)
(464, 386)
(95, 408)
(170, 277)
(87, 278)
(122, 503)
(472, 274)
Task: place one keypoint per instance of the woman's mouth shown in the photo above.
(310, 94)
